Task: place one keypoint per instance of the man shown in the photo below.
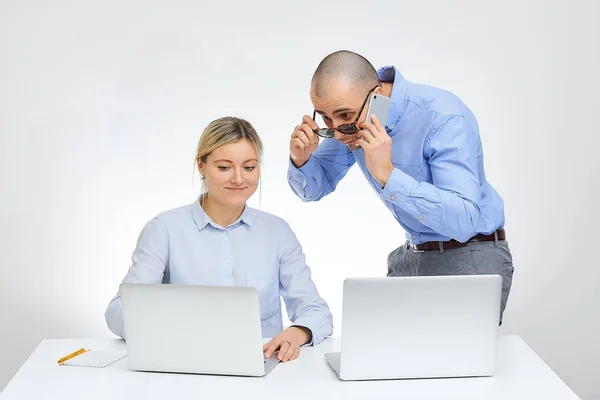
(425, 163)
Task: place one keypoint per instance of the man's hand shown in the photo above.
(288, 342)
(303, 142)
(377, 145)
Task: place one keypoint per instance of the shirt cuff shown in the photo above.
(297, 176)
(316, 328)
(398, 187)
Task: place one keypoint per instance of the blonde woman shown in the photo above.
(219, 240)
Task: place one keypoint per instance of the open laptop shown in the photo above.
(194, 329)
(418, 327)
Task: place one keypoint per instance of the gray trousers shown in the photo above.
(477, 258)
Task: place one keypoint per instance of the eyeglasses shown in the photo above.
(346, 129)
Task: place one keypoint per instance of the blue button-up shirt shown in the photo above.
(184, 246)
(438, 189)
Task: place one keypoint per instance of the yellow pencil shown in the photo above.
(76, 353)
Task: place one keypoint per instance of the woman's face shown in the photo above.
(231, 173)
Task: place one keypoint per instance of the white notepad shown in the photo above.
(96, 359)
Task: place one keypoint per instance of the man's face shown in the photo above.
(339, 103)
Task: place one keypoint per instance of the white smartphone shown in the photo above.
(379, 105)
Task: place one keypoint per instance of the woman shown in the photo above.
(218, 240)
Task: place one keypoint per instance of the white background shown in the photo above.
(102, 103)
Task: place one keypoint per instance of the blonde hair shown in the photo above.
(221, 132)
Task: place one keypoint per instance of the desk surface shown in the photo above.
(520, 374)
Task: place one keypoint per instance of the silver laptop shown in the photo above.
(194, 329)
(418, 327)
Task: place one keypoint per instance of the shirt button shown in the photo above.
(392, 197)
(225, 232)
(414, 236)
(227, 261)
(421, 218)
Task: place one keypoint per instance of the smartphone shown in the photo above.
(379, 105)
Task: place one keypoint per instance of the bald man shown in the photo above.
(425, 163)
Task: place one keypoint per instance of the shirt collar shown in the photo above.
(391, 74)
(202, 219)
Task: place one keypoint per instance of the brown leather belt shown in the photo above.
(453, 244)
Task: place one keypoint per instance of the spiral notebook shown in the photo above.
(97, 359)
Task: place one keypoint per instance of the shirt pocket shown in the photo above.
(267, 285)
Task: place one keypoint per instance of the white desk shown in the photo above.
(521, 374)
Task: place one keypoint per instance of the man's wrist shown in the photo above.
(383, 176)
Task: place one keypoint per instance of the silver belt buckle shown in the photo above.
(414, 248)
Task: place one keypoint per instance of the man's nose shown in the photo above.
(338, 135)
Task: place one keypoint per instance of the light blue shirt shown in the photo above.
(438, 189)
(184, 246)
